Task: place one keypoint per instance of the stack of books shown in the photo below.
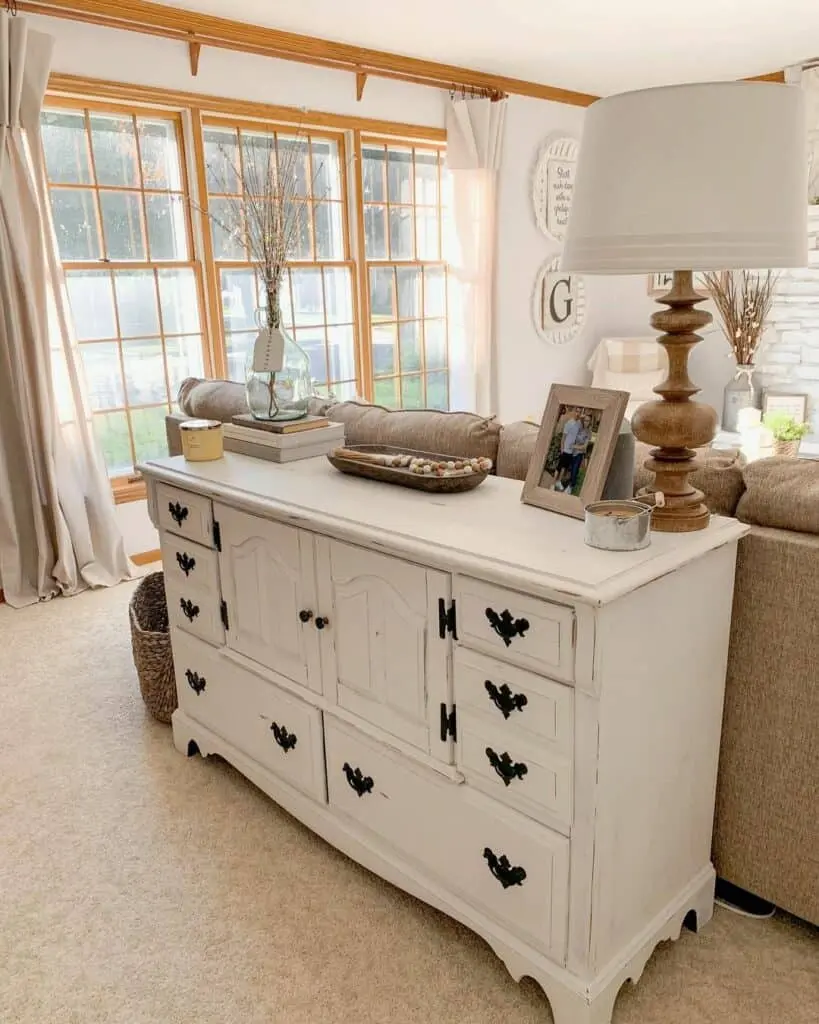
(285, 441)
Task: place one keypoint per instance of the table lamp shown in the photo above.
(681, 179)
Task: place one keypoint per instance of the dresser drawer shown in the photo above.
(516, 628)
(185, 514)
(511, 868)
(188, 565)
(275, 728)
(517, 702)
(515, 769)
(195, 611)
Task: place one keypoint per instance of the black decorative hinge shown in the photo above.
(223, 612)
(449, 723)
(217, 535)
(446, 620)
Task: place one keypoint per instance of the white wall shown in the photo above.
(119, 56)
(615, 306)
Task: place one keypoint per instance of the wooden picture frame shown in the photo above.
(789, 403)
(576, 420)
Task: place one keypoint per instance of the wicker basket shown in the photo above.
(151, 644)
(790, 449)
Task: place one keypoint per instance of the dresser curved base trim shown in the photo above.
(571, 1001)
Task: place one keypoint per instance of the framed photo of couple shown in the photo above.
(574, 448)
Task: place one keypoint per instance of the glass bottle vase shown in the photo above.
(282, 394)
(740, 393)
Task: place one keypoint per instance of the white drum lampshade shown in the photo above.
(699, 177)
(688, 178)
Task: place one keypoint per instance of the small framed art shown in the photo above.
(574, 448)
(785, 404)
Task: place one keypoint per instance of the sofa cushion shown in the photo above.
(425, 430)
(717, 473)
(516, 444)
(223, 399)
(781, 493)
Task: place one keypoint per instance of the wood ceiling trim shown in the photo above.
(80, 86)
(225, 33)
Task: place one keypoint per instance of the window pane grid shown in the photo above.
(318, 302)
(134, 290)
(408, 317)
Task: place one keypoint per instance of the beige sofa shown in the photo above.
(766, 836)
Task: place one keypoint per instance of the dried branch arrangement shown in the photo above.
(267, 193)
(743, 300)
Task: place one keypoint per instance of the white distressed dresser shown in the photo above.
(459, 694)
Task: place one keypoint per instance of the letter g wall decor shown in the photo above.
(559, 303)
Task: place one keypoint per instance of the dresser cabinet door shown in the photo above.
(268, 583)
(382, 653)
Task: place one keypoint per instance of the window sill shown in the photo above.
(126, 490)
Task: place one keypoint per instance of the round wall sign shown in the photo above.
(559, 303)
(553, 185)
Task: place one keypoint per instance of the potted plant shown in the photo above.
(743, 300)
(787, 434)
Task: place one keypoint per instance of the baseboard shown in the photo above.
(146, 557)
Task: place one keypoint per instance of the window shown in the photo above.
(369, 308)
(318, 305)
(119, 202)
(401, 190)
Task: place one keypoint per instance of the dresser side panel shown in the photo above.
(662, 653)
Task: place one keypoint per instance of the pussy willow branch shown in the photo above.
(743, 300)
(267, 192)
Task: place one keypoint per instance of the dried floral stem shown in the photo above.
(743, 300)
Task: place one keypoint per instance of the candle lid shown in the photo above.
(200, 425)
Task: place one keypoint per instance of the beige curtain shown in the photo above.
(474, 138)
(58, 531)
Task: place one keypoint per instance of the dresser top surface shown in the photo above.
(487, 530)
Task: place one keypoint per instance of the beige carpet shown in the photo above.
(140, 887)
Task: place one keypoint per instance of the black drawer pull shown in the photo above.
(503, 870)
(360, 783)
(305, 615)
(286, 740)
(505, 626)
(322, 622)
(195, 681)
(178, 512)
(505, 766)
(186, 563)
(504, 700)
(190, 609)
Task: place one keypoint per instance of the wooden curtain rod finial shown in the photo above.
(194, 52)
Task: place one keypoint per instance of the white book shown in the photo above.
(332, 434)
(270, 454)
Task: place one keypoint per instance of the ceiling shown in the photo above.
(597, 46)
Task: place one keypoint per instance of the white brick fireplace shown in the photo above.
(790, 359)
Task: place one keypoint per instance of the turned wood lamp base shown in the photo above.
(675, 424)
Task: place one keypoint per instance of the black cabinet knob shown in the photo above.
(505, 626)
(186, 562)
(504, 700)
(356, 780)
(322, 622)
(506, 873)
(505, 767)
(190, 609)
(178, 512)
(305, 615)
(286, 740)
(195, 681)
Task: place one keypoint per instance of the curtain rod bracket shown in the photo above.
(360, 82)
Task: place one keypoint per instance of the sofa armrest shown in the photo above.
(173, 433)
